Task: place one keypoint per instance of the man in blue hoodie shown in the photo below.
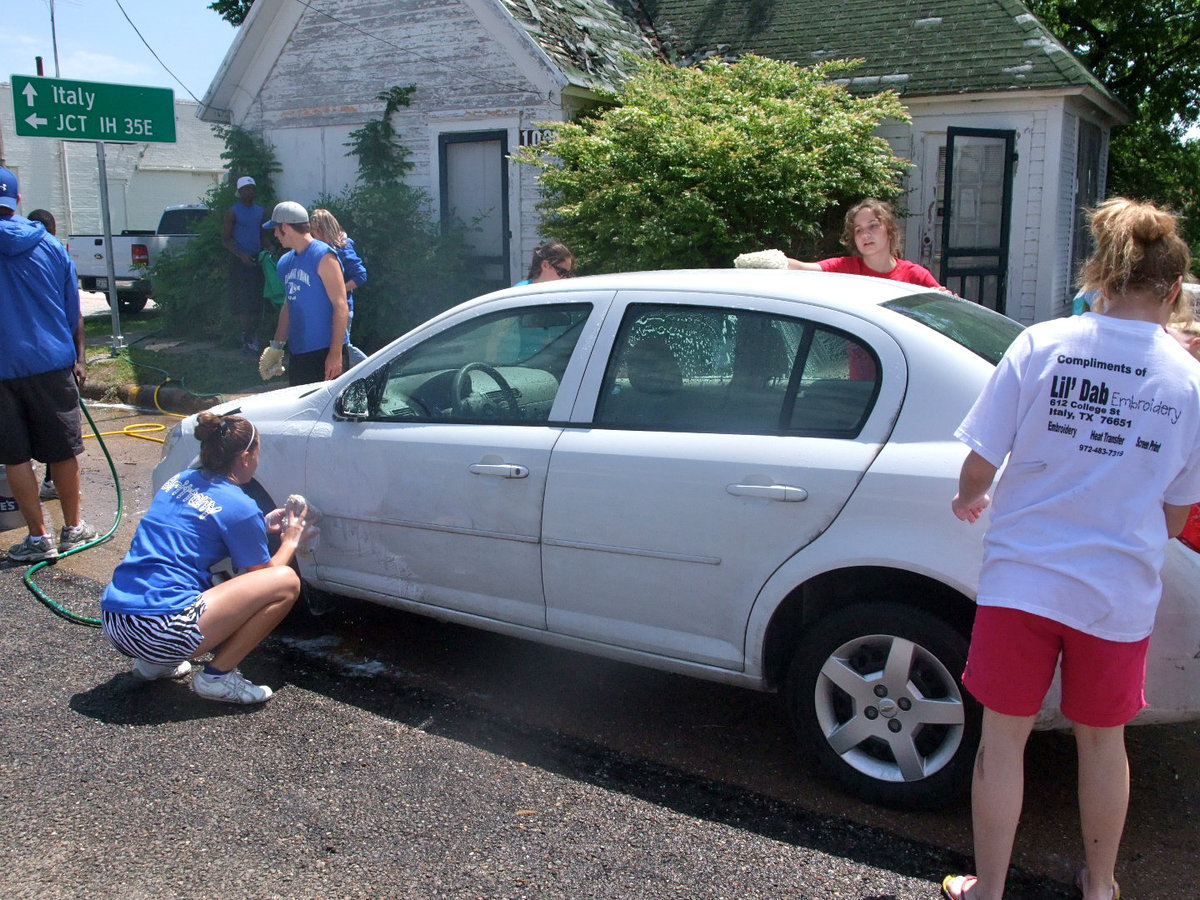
(41, 369)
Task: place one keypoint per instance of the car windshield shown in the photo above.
(976, 327)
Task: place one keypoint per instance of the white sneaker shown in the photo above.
(148, 671)
(72, 536)
(232, 687)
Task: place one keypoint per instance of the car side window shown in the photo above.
(704, 369)
(838, 384)
(504, 368)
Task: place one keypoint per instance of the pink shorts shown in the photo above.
(1012, 658)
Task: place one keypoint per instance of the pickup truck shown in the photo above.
(134, 252)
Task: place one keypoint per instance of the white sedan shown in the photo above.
(741, 475)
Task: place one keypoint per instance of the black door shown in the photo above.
(977, 215)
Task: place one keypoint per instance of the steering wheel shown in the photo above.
(462, 390)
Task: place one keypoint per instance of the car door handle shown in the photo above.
(784, 492)
(499, 470)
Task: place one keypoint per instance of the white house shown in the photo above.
(63, 177)
(1008, 138)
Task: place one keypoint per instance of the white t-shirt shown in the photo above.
(1100, 421)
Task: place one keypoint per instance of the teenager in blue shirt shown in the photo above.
(161, 608)
(315, 314)
(241, 235)
(41, 368)
(325, 227)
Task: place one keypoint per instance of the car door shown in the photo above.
(440, 455)
(714, 440)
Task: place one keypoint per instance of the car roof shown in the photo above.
(818, 288)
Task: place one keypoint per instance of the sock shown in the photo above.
(210, 669)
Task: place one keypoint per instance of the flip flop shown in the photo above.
(955, 887)
(1080, 875)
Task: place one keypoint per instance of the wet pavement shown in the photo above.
(404, 757)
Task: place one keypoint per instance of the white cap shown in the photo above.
(245, 181)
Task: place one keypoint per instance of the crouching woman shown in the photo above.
(162, 609)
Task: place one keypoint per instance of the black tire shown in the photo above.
(903, 738)
(131, 303)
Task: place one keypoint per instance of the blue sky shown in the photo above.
(96, 43)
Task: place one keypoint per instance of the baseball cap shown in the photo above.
(9, 189)
(289, 212)
(245, 181)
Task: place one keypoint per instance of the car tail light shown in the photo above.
(141, 255)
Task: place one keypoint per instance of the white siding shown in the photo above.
(1031, 259)
(325, 84)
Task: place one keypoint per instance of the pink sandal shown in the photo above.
(955, 887)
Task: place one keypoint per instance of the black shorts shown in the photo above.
(41, 418)
(245, 289)
(308, 368)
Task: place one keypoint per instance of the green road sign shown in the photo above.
(92, 111)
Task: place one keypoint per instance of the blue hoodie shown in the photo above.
(39, 300)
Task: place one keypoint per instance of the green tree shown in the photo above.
(382, 159)
(232, 11)
(415, 268)
(691, 166)
(1145, 53)
(190, 285)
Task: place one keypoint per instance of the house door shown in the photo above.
(976, 214)
(474, 196)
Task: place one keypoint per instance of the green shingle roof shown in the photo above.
(916, 47)
(587, 39)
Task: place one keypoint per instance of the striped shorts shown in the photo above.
(166, 639)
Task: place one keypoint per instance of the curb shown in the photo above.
(156, 398)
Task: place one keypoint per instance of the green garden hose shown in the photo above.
(137, 430)
(55, 607)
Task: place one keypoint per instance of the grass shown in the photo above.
(202, 365)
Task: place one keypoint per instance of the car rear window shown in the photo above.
(979, 329)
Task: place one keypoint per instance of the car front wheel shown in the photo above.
(875, 692)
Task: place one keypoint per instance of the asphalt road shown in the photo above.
(403, 757)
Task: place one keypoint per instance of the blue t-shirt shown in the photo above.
(310, 314)
(247, 227)
(194, 522)
(352, 270)
(39, 300)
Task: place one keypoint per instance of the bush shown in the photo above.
(415, 268)
(191, 285)
(692, 166)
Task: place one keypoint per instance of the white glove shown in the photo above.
(761, 259)
(270, 364)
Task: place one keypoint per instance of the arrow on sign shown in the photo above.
(35, 120)
(29, 93)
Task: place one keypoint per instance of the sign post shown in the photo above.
(95, 111)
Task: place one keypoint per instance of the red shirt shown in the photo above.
(1191, 531)
(904, 270)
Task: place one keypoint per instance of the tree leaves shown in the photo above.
(692, 166)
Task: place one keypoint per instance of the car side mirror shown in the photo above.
(353, 404)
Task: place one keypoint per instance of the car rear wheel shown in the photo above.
(875, 692)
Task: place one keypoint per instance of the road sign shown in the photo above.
(92, 111)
